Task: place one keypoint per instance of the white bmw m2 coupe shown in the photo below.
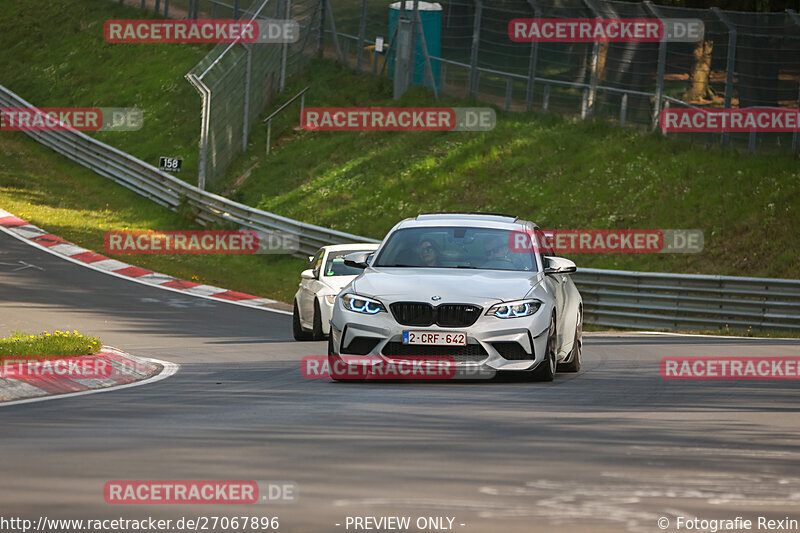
(453, 285)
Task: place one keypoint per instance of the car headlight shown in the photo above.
(360, 304)
(330, 298)
(516, 309)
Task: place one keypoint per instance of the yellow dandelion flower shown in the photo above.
(46, 334)
(75, 332)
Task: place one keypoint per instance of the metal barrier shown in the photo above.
(148, 181)
(611, 297)
(652, 300)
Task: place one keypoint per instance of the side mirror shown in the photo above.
(559, 265)
(357, 259)
(308, 274)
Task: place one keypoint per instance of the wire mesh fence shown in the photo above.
(744, 60)
(238, 80)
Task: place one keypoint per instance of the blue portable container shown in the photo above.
(431, 15)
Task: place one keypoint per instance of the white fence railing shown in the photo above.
(611, 297)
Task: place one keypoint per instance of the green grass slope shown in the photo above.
(556, 172)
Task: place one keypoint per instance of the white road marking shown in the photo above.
(168, 370)
(242, 303)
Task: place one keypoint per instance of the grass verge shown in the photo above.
(56, 344)
(68, 200)
(556, 172)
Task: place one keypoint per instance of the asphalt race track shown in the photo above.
(610, 449)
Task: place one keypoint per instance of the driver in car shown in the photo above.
(498, 254)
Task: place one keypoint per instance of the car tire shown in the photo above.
(316, 333)
(576, 354)
(297, 329)
(546, 371)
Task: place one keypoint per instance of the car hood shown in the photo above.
(337, 283)
(451, 285)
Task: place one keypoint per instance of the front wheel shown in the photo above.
(546, 371)
(317, 333)
(297, 329)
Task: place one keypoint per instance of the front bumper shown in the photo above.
(482, 354)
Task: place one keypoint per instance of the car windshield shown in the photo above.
(453, 247)
(334, 265)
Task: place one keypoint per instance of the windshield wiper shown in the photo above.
(396, 265)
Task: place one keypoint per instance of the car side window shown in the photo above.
(316, 263)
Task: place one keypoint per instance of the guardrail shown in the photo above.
(614, 298)
(146, 180)
(652, 300)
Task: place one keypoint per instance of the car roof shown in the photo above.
(479, 220)
(356, 246)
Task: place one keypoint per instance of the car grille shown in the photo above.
(445, 315)
(512, 351)
(471, 353)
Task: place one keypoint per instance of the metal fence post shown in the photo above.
(205, 92)
(476, 37)
(509, 88)
(166, 8)
(321, 39)
(269, 134)
(588, 111)
(236, 9)
(546, 99)
(730, 64)
(285, 49)
(412, 68)
(537, 12)
(795, 135)
(333, 31)
(247, 76)
(585, 104)
(158, 5)
(143, 5)
(623, 110)
(362, 33)
(662, 61)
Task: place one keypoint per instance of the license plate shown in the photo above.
(435, 338)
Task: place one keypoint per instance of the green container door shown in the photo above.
(431, 15)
